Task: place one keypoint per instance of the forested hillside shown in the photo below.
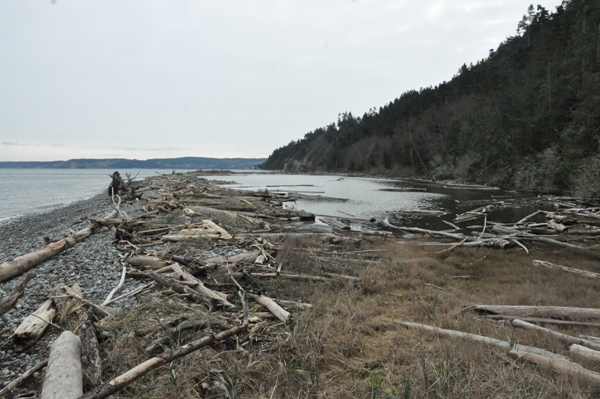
(527, 116)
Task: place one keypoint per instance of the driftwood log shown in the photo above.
(558, 312)
(569, 339)
(23, 263)
(90, 353)
(9, 301)
(583, 352)
(64, 378)
(33, 326)
(273, 307)
(480, 338)
(208, 229)
(566, 269)
(563, 366)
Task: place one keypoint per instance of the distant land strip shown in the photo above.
(159, 163)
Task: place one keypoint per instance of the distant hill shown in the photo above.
(527, 116)
(159, 163)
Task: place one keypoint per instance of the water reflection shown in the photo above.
(373, 197)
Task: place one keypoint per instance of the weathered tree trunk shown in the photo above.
(566, 269)
(561, 365)
(33, 326)
(64, 378)
(90, 353)
(586, 353)
(273, 307)
(25, 262)
(486, 340)
(9, 301)
(558, 312)
(208, 229)
(563, 337)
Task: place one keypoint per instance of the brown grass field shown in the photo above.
(348, 344)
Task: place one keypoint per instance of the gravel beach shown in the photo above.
(94, 264)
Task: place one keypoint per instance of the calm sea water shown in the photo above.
(24, 191)
(367, 197)
(34, 190)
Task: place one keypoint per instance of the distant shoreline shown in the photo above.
(190, 163)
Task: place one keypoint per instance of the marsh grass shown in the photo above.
(347, 345)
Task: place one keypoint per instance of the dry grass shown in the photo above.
(347, 347)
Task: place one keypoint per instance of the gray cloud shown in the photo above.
(216, 78)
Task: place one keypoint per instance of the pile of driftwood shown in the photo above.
(573, 224)
(166, 245)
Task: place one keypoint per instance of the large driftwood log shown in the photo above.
(33, 326)
(8, 301)
(558, 312)
(64, 378)
(273, 307)
(566, 269)
(120, 382)
(22, 263)
(480, 338)
(90, 353)
(561, 336)
(583, 352)
(208, 229)
(563, 366)
(540, 320)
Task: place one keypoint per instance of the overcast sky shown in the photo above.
(153, 79)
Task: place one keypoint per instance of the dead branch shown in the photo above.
(15, 383)
(120, 382)
(23, 263)
(8, 301)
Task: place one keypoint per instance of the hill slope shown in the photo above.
(527, 116)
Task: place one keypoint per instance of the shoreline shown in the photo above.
(320, 275)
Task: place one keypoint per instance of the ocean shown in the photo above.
(24, 191)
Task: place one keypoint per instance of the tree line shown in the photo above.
(527, 116)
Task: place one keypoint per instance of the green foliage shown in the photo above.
(533, 101)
